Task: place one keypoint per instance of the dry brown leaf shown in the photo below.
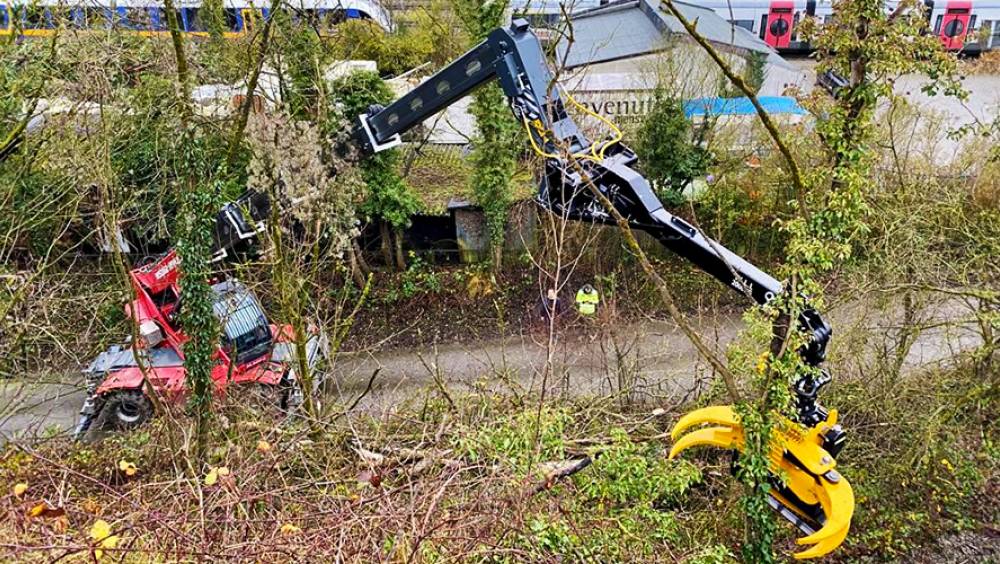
(43, 509)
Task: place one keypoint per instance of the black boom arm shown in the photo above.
(573, 163)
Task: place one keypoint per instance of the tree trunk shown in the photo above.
(497, 258)
(356, 275)
(359, 256)
(400, 259)
(385, 238)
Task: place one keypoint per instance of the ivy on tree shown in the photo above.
(496, 145)
(668, 152)
(388, 198)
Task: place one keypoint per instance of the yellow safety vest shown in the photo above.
(586, 302)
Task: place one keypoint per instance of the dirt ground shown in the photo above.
(652, 359)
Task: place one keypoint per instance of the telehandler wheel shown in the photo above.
(124, 410)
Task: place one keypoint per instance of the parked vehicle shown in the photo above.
(970, 26)
(252, 352)
(40, 18)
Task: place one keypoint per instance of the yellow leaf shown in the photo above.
(263, 446)
(289, 529)
(212, 477)
(110, 541)
(127, 467)
(223, 471)
(762, 363)
(20, 488)
(100, 530)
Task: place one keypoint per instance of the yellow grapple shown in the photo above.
(809, 491)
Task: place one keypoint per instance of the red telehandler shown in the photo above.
(252, 351)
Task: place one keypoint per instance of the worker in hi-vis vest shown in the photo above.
(587, 300)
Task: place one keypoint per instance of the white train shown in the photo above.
(970, 26)
(40, 18)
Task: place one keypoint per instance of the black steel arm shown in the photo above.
(514, 58)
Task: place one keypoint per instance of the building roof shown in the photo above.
(553, 6)
(629, 29)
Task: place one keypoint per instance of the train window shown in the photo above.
(306, 17)
(36, 17)
(134, 18)
(4, 18)
(795, 27)
(160, 22)
(972, 24)
(95, 17)
(74, 18)
(232, 19)
(937, 25)
(779, 27)
(192, 21)
(328, 19)
(745, 24)
(763, 25)
(954, 28)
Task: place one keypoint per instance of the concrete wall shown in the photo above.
(473, 238)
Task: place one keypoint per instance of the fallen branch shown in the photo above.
(368, 389)
(564, 470)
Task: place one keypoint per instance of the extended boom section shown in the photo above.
(808, 490)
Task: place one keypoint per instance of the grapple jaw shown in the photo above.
(808, 490)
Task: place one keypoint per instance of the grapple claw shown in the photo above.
(837, 500)
(825, 547)
(725, 437)
(811, 493)
(716, 415)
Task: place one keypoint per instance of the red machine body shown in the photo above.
(251, 349)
